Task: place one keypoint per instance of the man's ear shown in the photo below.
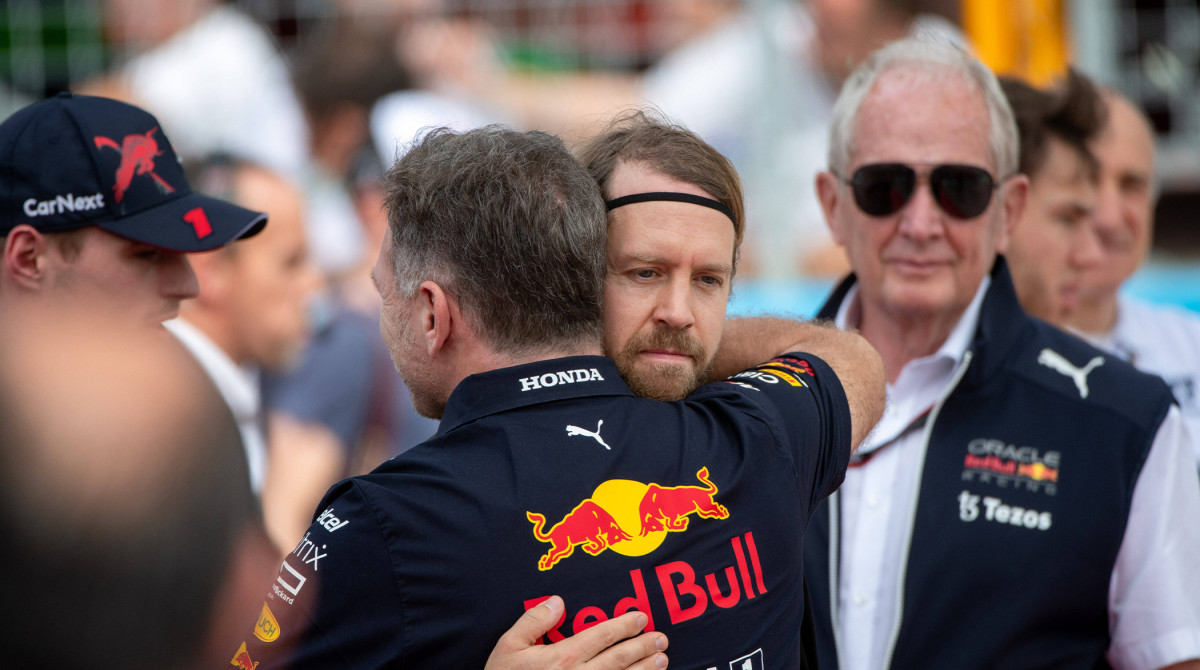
(827, 195)
(1015, 193)
(438, 316)
(25, 256)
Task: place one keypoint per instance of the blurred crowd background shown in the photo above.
(328, 90)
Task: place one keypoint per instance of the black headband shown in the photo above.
(672, 197)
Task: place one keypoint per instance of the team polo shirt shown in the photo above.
(553, 478)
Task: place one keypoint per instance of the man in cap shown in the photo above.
(94, 202)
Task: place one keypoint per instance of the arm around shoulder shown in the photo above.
(750, 341)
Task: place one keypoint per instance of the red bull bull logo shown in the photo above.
(137, 158)
(1038, 472)
(607, 519)
(588, 525)
(667, 508)
(242, 659)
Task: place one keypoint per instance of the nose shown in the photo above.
(674, 305)
(921, 218)
(176, 280)
(1088, 250)
(1107, 214)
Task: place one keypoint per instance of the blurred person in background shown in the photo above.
(344, 387)
(339, 72)
(130, 531)
(760, 86)
(251, 314)
(212, 74)
(1054, 244)
(1158, 339)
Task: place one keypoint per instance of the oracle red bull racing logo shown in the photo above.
(137, 158)
(617, 509)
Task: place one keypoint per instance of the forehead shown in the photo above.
(1061, 166)
(631, 177)
(1126, 137)
(922, 115)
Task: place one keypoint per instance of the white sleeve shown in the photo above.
(1154, 596)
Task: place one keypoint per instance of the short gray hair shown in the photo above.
(929, 54)
(511, 225)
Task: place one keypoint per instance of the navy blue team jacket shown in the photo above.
(552, 478)
(1026, 486)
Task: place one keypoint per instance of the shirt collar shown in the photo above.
(923, 380)
(237, 385)
(849, 315)
(532, 383)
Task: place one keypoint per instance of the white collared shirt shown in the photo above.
(238, 386)
(1165, 341)
(1154, 597)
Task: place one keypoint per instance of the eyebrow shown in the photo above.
(717, 268)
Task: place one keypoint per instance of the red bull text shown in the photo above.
(685, 595)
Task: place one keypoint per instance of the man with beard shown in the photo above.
(672, 252)
(492, 278)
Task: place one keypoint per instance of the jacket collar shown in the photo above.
(532, 383)
(1001, 321)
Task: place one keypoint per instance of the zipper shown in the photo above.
(903, 566)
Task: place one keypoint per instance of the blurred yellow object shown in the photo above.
(1024, 38)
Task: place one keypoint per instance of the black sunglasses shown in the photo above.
(882, 189)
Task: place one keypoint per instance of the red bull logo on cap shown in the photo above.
(607, 519)
(137, 158)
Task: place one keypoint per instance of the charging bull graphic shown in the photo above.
(242, 659)
(137, 158)
(667, 507)
(599, 522)
(588, 525)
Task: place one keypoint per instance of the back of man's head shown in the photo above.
(508, 223)
(1072, 112)
(670, 150)
(124, 494)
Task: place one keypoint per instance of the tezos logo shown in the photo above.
(995, 510)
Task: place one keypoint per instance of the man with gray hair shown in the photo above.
(547, 475)
(1026, 500)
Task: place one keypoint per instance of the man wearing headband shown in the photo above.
(547, 474)
(1026, 501)
(676, 221)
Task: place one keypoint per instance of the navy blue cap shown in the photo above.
(75, 160)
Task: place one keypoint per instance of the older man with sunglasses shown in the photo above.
(1026, 501)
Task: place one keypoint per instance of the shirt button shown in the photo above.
(873, 502)
(860, 600)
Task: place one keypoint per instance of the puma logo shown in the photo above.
(1053, 360)
(572, 431)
